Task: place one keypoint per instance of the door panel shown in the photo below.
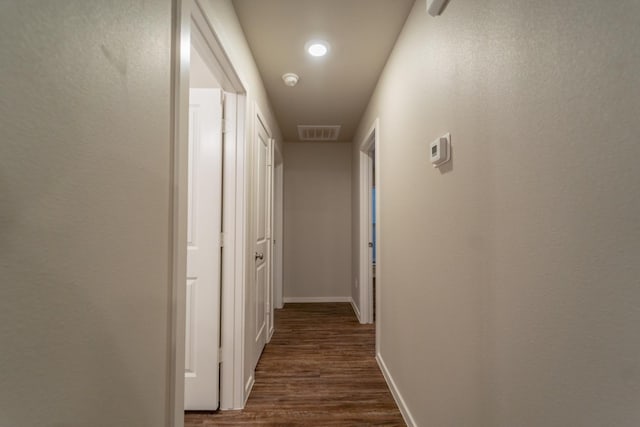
(270, 235)
(190, 351)
(262, 252)
(261, 285)
(203, 250)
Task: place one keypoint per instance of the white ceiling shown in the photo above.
(335, 89)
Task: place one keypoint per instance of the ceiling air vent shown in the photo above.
(318, 133)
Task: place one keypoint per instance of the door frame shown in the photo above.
(278, 228)
(250, 358)
(260, 118)
(370, 143)
(188, 15)
(202, 384)
(270, 211)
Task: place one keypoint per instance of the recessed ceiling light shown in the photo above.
(317, 47)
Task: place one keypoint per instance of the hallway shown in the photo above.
(318, 370)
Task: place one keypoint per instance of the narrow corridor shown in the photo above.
(318, 370)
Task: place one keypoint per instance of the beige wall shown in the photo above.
(200, 76)
(317, 220)
(510, 278)
(84, 213)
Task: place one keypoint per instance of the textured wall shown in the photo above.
(510, 278)
(84, 212)
(200, 76)
(317, 220)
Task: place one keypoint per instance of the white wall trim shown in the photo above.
(316, 299)
(364, 261)
(369, 142)
(233, 255)
(240, 253)
(270, 249)
(216, 56)
(278, 235)
(190, 16)
(356, 310)
(263, 120)
(232, 304)
(379, 245)
(248, 387)
(179, 189)
(397, 396)
(258, 119)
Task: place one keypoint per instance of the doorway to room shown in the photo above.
(204, 228)
(372, 231)
(204, 75)
(369, 218)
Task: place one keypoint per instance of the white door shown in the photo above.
(203, 251)
(277, 232)
(262, 226)
(270, 193)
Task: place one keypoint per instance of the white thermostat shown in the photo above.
(440, 150)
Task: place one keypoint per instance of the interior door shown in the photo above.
(269, 298)
(202, 383)
(262, 238)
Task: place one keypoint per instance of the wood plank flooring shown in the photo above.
(318, 370)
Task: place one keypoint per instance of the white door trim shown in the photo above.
(232, 306)
(278, 226)
(363, 262)
(260, 120)
(179, 194)
(234, 217)
(271, 175)
(370, 142)
(188, 15)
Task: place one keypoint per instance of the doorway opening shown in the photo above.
(201, 62)
(372, 230)
(278, 229)
(369, 218)
(204, 228)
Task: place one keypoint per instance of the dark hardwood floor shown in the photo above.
(318, 370)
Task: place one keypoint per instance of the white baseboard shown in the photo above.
(356, 310)
(404, 410)
(316, 299)
(247, 389)
(325, 299)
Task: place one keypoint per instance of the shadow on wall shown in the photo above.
(448, 167)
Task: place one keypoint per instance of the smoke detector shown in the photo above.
(290, 79)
